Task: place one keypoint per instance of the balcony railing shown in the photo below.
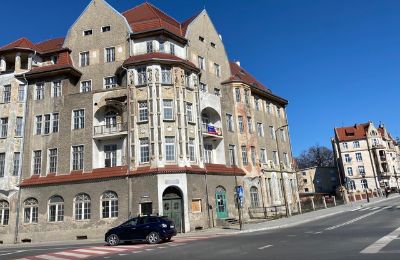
(211, 130)
(110, 129)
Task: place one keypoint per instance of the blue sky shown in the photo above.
(337, 62)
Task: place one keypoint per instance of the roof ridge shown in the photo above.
(50, 39)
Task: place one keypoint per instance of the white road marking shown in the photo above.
(381, 243)
(136, 252)
(108, 248)
(263, 247)
(363, 209)
(161, 247)
(72, 254)
(49, 257)
(97, 252)
(149, 249)
(122, 254)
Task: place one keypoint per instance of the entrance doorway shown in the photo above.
(220, 198)
(173, 206)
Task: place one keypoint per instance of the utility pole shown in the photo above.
(287, 209)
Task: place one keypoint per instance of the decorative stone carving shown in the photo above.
(195, 82)
(142, 130)
(176, 76)
(157, 74)
(131, 77)
(169, 128)
(149, 75)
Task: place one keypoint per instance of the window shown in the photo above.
(278, 111)
(364, 184)
(143, 111)
(18, 127)
(170, 148)
(3, 127)
(229, 122)
(7, 94)
(352, 185)
(144, 150)
(46, 124)
(87, 32)
(237, 94)
(77, 157)
(21, 93)
(82, 206)
(260, 130)
(149, 46)
(168, 109)
(109, 205)
(2, 164)
(263, 155)
(212, 44)
(38, 125)
(232, 155)
(196, 205)
(358, 157)
(356, 144)
(111, 120)
(208, 153)
(109, 55)
(192, 156)
(345, 146)
(275, 157)
(189, 112)
(250, 125)
(110, 82)
(244, 155)
(106, 28)
(39, 91)
(161, 47)
(17, 159)
(254, 201)
(56, 209)
(217, 70)
(201, 39)
(347, 158)
(246, 96)
(4, 212)
(146, 208)
(201, 62)
(305, 181)
(187, 80)
(53, 155)
(37, 162)
(56, 89)
(172, 48)
(79, 119)
(286, 157)
(110, 152)
(31, 206)
(86, 86)
(55, 122)
(84, 59)
(253, 155)
(283, 135)
(240, 122)
(203, 87)
(166, 75)
(217, 92)
(361, 170)
(142, 80)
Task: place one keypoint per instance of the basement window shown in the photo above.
(106, 28)
(87, 32)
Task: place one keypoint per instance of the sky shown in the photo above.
(337, 62)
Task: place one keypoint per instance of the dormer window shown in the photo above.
(88, 32)
(54, 59)
(172, 48)
(106, 28)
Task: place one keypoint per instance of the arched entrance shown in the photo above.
(173, 206)
(220, 198)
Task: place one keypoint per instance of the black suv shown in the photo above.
(152, 229)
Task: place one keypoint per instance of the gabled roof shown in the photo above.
(22, 43)
(350, 133)
(51, 45)
(185, 24)
(147, 17)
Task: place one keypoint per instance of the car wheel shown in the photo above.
(112, 240)
(153, 238)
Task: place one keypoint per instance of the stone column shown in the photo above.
(30, 60)
(2, 63)
(18, 61)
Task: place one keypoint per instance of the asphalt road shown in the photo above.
(369, 233)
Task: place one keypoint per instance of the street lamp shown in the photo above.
(287, 209)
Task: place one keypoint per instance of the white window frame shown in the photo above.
(86, 86)
(39, 91)
(189, 112)
(80, 158)
(167, 108)
(58, 210)
(7, 93)
(84, 201)
(16, 164)
(245, 159)
(19, 126)
(78, 121)
(84, 59)
(201, 62)
(191, 150)
(37, 162)
(53, 165)
(109, 205)
(240, 124)
(31, 205)
(56, 88)
(21, 93)
(110, 82)
(144, 150)
(229, 122)
(260, 129)
(143, 107)
(170, 149)
(109, 54)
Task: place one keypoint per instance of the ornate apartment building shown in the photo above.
(367, 157)
(134, 113)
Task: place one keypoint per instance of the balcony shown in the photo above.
(107, 131)
(211, 131)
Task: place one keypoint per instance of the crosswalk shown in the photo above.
(107, 251)
(376, 208)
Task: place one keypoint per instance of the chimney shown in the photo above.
(237, 62)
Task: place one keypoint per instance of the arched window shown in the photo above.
(4, 212)
(31, 206)
(111, 119)
(254, 197)
(109, 205)
(364, 184)
(82, 206)
(56, 209)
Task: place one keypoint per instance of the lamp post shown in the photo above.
(287, 209)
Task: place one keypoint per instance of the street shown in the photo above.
(371, 232)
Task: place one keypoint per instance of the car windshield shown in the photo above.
(131, 222)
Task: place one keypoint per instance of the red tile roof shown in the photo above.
(22, 43)
(350, 133)
(158, 56)
(51, 45)
(147, 17)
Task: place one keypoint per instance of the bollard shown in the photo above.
(324, 201)
(312, 203)
(334, 201)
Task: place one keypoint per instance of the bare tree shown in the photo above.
(315, 156)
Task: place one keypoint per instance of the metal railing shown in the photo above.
(110, 128)
(212, 130)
